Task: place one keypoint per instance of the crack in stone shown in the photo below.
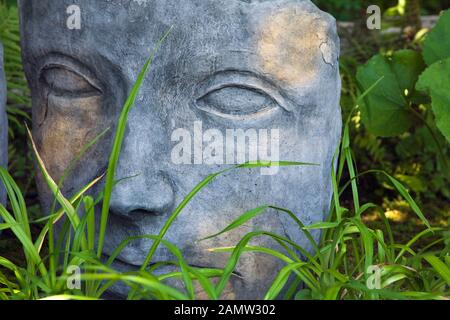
(326, 51)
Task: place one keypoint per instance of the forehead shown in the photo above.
(290, 40)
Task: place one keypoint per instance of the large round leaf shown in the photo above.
(385, 111)
(436, 81)
(437, 43)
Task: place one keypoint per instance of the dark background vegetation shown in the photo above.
(347, 10)
(411, 157)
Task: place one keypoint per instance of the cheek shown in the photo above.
(290, 46)
(69, 125)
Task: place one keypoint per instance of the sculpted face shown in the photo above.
(266, 66)
(3, 125)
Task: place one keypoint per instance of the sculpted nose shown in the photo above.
(143, 195)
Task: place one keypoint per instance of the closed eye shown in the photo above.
(239, 96)
(65, 81)
(237, 102)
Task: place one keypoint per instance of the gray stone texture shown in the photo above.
(231, 64)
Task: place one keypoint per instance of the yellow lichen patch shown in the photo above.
(62, 136)
(293, 46)
(60, 143)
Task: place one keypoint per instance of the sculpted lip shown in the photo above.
(120, 291)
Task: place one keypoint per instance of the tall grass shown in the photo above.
(339, 266)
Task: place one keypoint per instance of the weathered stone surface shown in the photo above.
(3, 125)
(227, 65)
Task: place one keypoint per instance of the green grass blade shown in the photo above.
(440, 267)
(249, 215)
(24, 239)
(57, 216)
(68, 208)
(281, 280)
(117, 145)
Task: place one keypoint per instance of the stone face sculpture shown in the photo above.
(3, 125)
(262, 68)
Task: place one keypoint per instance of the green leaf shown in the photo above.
(440, 267)
(437, 43)
(436, 81)
(305, 294)
(322, 225)
(405, 194)
(385, 111)
(240, 221)
(281, 280)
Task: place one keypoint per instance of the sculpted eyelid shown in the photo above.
(260, 99)
(249, 86)
(76, 67)
(84, 77)
(245, 80)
